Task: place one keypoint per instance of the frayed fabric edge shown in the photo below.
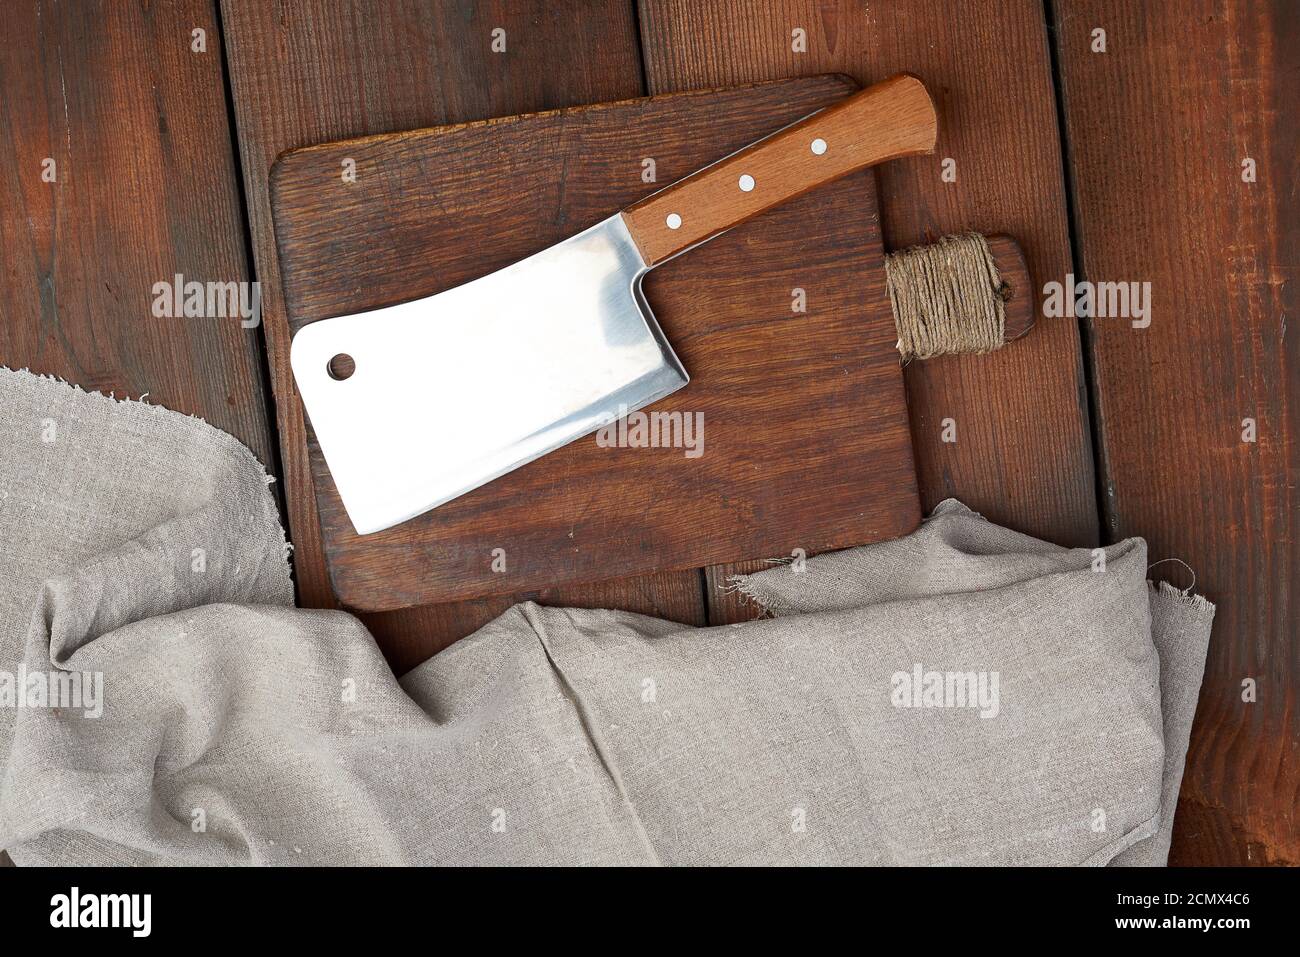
(242, 452)
(1198, 603)
(741, 585)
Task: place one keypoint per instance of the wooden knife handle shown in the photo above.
(891, 119)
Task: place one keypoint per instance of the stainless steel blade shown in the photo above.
(452, 391)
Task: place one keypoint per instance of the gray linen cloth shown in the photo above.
(144, 547)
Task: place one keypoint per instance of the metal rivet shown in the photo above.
(674, 221)
(746, 183)
(341, 366)
(819, 146)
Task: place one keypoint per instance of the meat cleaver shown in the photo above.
(416, 404)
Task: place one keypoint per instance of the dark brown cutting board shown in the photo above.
(806, 440)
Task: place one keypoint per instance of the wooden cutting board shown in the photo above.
(805, 442)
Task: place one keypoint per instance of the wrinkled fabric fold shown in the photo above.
(144, 546)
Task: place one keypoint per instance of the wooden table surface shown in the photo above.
(1164, 158)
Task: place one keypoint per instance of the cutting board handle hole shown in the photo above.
(341, 366)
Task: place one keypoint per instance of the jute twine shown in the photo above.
(946, 298)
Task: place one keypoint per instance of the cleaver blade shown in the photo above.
(454, 390)
(446, 393)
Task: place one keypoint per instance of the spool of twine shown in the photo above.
(947, 298)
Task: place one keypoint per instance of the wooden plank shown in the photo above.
(144, 189)
(774, 397)
(1023, 452)
(1158, 129)
(316, 71)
